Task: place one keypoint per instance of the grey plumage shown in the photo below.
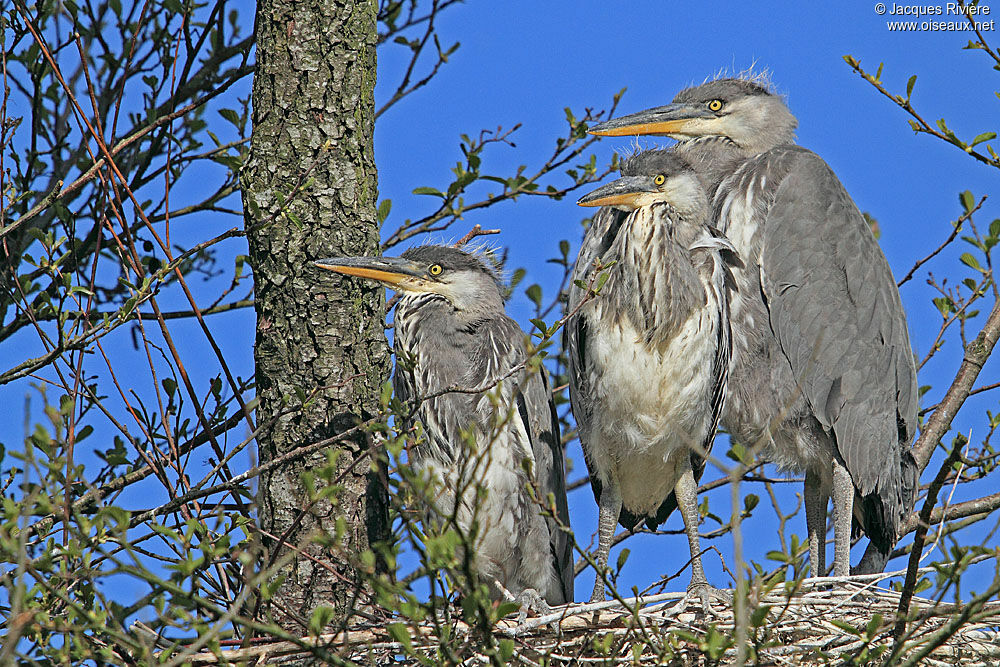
(823, 374)
(649, 355)
(451, 331)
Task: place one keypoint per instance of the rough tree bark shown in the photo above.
(309, 191)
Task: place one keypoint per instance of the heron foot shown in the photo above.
(705, 594)
(530, 600)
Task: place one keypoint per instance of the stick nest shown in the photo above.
(816, 621)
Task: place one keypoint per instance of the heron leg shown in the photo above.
(843, 510)
(872, 562)
(609, 507)
(686, 492)
(816, 501)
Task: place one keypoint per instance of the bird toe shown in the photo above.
(530, 600)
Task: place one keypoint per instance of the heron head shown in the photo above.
(650, 177)
(745, 113)
(461, 278)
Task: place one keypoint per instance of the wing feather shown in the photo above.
(837, 315)
(596, 242)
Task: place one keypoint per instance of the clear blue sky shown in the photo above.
(522, 62)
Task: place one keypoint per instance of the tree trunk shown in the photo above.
(309, 192)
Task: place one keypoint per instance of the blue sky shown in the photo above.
(523, 62)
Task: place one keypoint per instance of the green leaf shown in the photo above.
(76, 289)
(506, 649)
(540, 324)
(873, 625)
(995, 228)
(777, 556)
(399, 633)
(985, 136)
(270, 587)
(971, 240)
(759, 615)
(506, 608)
(944, 305)
(321, 617)
(843, 625)
(736, 452)
(909, 86)
(517, 277)
(534, 292)
(967, 200)
(622, 557)
(231, 116)
(238, 264)
(384, 207)
(970, 261)
(428, 191)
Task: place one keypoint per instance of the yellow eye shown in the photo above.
(715, 105)
(659, 179)
(435, 270)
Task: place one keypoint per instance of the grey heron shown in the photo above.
(451, 331)
(823, 373)
(649, 355)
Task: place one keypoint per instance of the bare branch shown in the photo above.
(975, 357)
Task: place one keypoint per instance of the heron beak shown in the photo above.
(668, 120)
(623, 193)
(390, 271)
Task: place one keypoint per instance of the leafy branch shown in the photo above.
(452, 204)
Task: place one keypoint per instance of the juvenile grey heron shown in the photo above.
(649, 355)
(823, 373)
(451, 331)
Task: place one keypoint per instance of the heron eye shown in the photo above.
(659, 179)
(435, 270)
(715, 105)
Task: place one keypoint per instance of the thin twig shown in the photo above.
(957, 227)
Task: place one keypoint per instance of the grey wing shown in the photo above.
(596, 243)
(836, 312)
(722, 260)
(538, 411)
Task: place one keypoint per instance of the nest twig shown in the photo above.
(816, 621)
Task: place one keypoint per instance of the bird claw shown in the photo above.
(705, 593)
(530, 600)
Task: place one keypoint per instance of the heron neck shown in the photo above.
(713, 158)
(653, 279)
